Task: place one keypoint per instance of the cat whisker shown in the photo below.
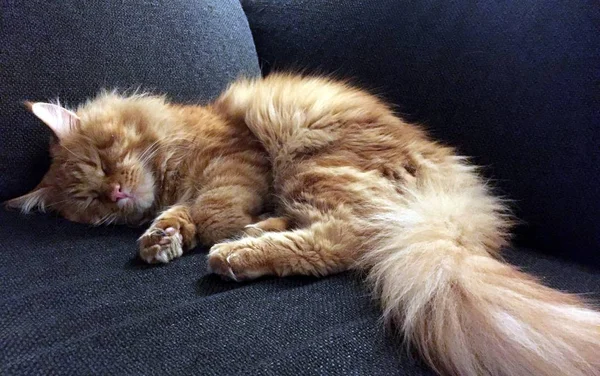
(84, 206)
(111, 219)
(155, 147)
(104, 219)
(52, 204)
(148, 150)
(78, 157)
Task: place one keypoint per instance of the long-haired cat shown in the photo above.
(349, 185)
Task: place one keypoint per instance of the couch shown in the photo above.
(515, 85)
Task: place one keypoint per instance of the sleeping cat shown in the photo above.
(349, 186)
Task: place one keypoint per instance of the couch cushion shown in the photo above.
(514, 83)
(69, 49)
(75, 300)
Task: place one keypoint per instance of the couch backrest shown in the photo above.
(515, 84)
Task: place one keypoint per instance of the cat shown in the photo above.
(349, 186)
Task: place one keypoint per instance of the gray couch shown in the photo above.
(514, 85)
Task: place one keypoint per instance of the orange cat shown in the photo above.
(350, 186)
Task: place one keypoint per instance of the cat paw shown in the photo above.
(236, 261)
(160, 246)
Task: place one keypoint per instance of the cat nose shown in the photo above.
(117, 194)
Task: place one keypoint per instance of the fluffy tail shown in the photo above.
(438, 279)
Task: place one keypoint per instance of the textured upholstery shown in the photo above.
(75, 300)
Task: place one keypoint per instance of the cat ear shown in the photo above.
(59, 119)
(32, 200)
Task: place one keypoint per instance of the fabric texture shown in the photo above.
(75, 300)
(72, 49)
(515, 84)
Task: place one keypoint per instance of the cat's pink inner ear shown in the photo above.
(60, 120)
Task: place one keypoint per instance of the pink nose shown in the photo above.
(116, 194)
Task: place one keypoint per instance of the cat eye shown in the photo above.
(104, 168)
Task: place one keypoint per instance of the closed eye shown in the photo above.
(79, 197)
(104, 167)
(107, 168)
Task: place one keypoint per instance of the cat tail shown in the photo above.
(436, 272)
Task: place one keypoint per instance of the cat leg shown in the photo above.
(222, 212)
(232, 194)
(274, 224)
(171, 233)
(321, 249)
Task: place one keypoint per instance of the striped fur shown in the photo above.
(349, 186)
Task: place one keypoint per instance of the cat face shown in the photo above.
(101, 169)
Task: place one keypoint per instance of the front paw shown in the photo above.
(237, 261)
(160, 246)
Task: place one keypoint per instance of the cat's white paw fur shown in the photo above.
(160, 246)
(237, 261)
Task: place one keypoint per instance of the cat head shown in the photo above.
(102, 160)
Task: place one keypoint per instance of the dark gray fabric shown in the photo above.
(71, 49)
(74, 300)
(515, 84)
